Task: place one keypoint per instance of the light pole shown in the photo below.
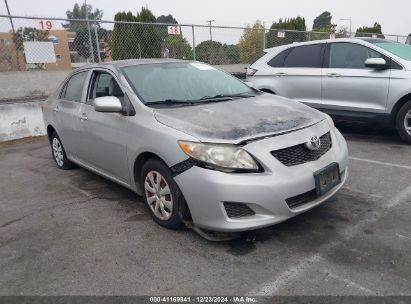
(209, 23)
(348, 19)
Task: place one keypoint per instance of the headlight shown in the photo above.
(330, 121)
(224, 157)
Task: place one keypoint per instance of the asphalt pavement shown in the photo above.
(75, 233)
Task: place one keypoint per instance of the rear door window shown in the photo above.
(74, 87)
(307, 56)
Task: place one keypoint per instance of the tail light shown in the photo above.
(251, 72)
(42, 106)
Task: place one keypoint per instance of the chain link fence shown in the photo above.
(31, 43)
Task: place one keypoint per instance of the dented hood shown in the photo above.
(240, 119)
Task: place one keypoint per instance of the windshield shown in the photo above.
(182, 82)
(396, 48)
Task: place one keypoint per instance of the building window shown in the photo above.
(58, 57)
(53, 39)
(3, 42)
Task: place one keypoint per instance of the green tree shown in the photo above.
(135, 40)
(251, 43)
(297, 33)
(81, 42)
(369, 31)
(179, 47)
(211, 52)
(150, 42)
(124, 42)
(322, 23)
(232, 52)
(79, 12)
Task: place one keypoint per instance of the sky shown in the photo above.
(393, 15)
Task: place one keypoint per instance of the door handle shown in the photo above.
(280, 74)
(83, 117)
(56, 109)
(333, 75)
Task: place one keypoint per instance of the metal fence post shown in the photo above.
(97, 43)
(90, 41)
(264, 43)
(194, 42)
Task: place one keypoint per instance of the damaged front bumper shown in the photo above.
(209, 193)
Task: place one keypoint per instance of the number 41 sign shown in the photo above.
(43, 24)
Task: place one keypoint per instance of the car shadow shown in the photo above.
(368, 132)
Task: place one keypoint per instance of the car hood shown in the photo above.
(240, 119)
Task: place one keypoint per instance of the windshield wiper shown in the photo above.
(169, 101)
(204, 99)
(222, 97)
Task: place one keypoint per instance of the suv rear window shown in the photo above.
(307, 56)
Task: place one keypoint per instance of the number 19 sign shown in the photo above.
(43, 24)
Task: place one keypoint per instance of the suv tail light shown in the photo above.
(251, 72)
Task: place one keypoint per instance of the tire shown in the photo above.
(166, 205)
(59, 154)
(403, 122)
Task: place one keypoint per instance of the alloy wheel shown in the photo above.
(158, 195)
(58, 152)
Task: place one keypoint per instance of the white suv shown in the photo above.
(362, 79)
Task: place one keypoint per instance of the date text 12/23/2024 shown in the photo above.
(203, 299)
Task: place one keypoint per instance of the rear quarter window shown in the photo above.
(307, 56)
(278, 60)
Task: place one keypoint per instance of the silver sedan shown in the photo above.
(199, 145)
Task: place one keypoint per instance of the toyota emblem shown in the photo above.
(314, 143)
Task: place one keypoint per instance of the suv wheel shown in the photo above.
(59, 154)
(403, 122)
(162, 195)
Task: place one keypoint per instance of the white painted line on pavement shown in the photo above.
(380, 163)
(352, 284)
(274, 286)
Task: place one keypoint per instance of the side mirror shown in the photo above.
(107, 104)
(376, 63)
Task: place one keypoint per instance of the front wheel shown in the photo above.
(162, 195)
(403, 122)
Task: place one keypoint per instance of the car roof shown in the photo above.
(356, 39)
(122, 63)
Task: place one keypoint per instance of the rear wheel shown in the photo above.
(59, 154)
(162, 195)
(403, 122)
